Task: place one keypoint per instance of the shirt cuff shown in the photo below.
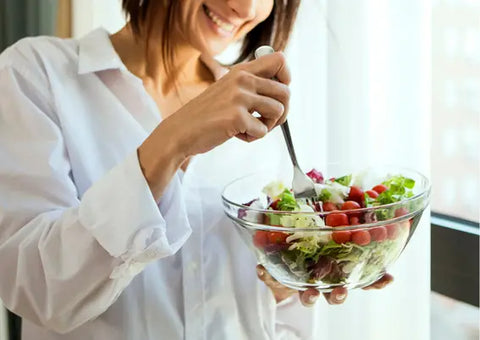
(121, 214)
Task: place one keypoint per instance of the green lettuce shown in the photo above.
(344, 180)
(287, 201)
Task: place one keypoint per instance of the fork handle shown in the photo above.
(288, 141)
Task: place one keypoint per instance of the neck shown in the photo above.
(146, 61)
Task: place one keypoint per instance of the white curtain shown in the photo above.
(361, 95)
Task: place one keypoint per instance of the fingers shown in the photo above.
(380, 283)
(309, 297)
(276, 90)
(269, 66)
(253, 128)
(280, 292)
(337, 296)
(270, 110)
(270, 98)
(264, 276)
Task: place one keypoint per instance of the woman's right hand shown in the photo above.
(221, 112)
(225, 109)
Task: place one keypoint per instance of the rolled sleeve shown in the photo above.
(121, 214)
(67, 254)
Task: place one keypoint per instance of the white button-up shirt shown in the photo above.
(85, 251)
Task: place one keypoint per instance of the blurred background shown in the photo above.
(390, 81)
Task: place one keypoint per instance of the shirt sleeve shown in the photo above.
(65, 260)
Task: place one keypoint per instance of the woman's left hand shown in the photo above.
(308, 297)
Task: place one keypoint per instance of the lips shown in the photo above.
(217, 20)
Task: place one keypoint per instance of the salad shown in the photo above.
(334, 257)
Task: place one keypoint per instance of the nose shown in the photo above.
(245, 9)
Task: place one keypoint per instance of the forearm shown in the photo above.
(160, 156)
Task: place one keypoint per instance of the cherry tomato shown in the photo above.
(336, 219)
(372, 193)
(392, 231)
(401, 211)
(361, 237)
(260, 239)
(351, 205)
(380, 188)
(276, 237)
(354, 220)
(378, 234)
(356, 194)
(340, 237)
(329, 206)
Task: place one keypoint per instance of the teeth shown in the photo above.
(222, 24)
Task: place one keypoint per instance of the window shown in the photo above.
(455, 169)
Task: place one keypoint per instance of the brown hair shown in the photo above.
(274, 31)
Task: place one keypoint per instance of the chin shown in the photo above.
(212, 48)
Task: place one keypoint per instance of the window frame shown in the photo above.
(454, 258)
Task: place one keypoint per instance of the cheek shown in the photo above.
(264, 8)
(262, 12)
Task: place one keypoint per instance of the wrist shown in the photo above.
(160, 156)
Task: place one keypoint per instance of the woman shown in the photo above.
(109, 229)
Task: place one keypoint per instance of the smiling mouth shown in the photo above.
(223, 25)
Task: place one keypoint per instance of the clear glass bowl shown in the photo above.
(351, 256)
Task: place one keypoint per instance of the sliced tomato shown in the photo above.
(378, 234)
(337, 219)
(260, 239)
(340, 237)
(361, 237)
(380, 188)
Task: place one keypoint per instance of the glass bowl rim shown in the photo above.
(422, 195)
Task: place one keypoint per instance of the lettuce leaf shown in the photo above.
(287, 201)
(344, 180)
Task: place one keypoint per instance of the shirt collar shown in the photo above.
(96, 53)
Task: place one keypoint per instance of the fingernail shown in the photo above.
(340, 297)
(260, 272)
(312, 299)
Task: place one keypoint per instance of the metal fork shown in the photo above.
(302, 185)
